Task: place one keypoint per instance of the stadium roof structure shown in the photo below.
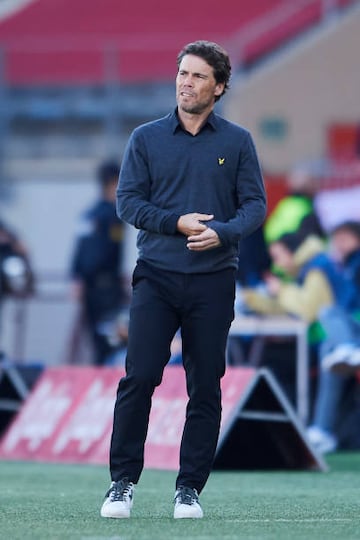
(87, 42)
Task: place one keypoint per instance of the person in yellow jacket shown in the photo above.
(312, 281)
(315, 283)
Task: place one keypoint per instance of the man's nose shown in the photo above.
(188, 81)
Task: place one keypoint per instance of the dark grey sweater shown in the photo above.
(167, 172)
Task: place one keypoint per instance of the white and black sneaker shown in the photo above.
(118, 500)
(187, 503)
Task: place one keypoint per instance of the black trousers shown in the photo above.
(202, 306)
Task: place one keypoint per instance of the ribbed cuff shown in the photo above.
(170, 224)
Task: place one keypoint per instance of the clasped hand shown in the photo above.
(200, 237)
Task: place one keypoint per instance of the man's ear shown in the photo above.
(219, 89)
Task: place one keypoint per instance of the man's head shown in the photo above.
(203, 76)
(215, 56)
(345, 238)
(282, 252)
(108, 174)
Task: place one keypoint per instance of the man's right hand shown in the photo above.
(191, 224)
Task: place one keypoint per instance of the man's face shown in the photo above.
(343, 243)
(196, 86)
(282, 257)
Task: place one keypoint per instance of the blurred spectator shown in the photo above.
(309, 282)
(315, 284)
(340, 351)
(96, 268)
(16, 275)
(313, 280)
(343, 345)
(296, 212)
(345, 239)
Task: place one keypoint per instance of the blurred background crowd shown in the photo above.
(77, 77)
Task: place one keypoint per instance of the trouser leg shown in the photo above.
(152, 326)
(330, 392)
(340, 328)
(205, 328)
(100, 304)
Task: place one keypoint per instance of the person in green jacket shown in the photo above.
(295, 212)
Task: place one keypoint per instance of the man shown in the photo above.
(96, 262)
(16, 274)
(295, 212)
(343, 326)
(192, 184)
(314, 286)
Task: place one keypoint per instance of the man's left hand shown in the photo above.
(207, 239)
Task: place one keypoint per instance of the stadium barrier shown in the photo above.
(16, 382)
(68, 418)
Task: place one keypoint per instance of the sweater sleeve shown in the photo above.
(133, 192)
(251, 197)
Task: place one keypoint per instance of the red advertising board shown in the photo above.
(68, 416)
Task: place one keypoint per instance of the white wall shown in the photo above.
(44, 213)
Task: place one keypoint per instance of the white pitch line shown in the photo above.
(289, 520)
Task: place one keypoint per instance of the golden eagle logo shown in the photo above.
(221, 160)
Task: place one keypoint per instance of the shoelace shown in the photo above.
(187, 495)
(120, 491)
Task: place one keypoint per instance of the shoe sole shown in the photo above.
(183, 513)
(105, 512)
(112, 516)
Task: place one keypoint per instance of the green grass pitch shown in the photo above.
(61, 502)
